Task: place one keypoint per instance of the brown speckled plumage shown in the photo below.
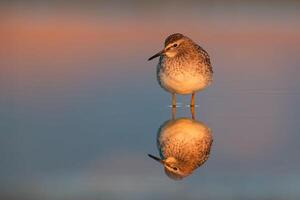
(172, 38)
(190, 61)
(187, 141)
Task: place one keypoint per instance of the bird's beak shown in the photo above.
(156, 55)
(156, 158)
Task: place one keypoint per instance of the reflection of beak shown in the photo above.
(156, 55)
(156, 158)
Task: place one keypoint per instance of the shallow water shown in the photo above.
(80, 106)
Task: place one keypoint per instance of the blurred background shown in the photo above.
(80, 105)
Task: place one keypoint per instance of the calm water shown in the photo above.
(80, 105)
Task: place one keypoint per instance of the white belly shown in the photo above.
(184, 84)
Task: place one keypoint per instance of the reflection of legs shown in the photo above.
(173, 113)
(192, 109)
(192, 100)
(173, 100)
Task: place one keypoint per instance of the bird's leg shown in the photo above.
(192, 100)
(192, 109)
(173, 113)
(173, 100)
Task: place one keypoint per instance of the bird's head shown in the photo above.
(174, 45)
(173, 168)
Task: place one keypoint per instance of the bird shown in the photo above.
(184, 144)
(184, 67)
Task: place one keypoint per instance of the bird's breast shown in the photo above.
(182, 76)
(183, 137)
(181, 82)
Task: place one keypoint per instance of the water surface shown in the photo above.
(80, 105)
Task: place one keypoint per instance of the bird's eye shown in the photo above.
(175, 45)
(175, 168)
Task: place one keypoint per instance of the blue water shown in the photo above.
(86, 135)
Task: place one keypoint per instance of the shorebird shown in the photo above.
(184, 145)
(183, 68)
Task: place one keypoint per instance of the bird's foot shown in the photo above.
(177, 105)
(191, 106)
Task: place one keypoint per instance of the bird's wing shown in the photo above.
(205, 57)
(204, 152)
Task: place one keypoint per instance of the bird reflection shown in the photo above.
(184, 145)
